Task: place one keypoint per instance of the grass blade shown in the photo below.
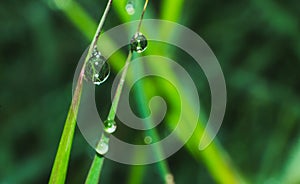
(94, 173)
(60, 166)
(140, 96)
(59, 170)
(95, 170)
(213, 153)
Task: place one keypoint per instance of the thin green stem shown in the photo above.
(96, 37)
(212, 156)
(60, 166)
(116, 99)
(95, 170)
(142, 16)
(115, 102)
(141, 99)
(101, 23)
(96, 166)
(163, 165)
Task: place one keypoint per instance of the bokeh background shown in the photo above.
(256, 42)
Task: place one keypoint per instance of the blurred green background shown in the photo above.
(256, 42)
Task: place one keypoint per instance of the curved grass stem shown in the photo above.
(162, 166)
(142, 16)
(171, 10)
(115, 102)
(96, 164)
(60, 166)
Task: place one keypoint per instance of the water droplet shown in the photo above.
(169, 179)
(102, 146)
(110, 126)
(138, 43)
(148, 140)
(97, 70)
(130, 7)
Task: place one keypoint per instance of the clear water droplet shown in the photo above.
(130, 7)
(148, 140)
(102, 146)
(138, 43)
(97, 70)
(169, 179)
(110, 126)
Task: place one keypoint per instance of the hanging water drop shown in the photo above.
(138, 43)
(148, 140)
(110, 126)
(97, 70)
(102, 146)
(130, 7)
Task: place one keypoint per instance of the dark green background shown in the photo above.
(256, 42)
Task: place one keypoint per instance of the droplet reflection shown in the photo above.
(130, 7)
(138, 43)
(110, 126)
(102, 146)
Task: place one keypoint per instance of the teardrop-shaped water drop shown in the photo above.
(97, 70)
(138, 43)
(102, 146)
(110, 126)
(130, 9)
(103, 75)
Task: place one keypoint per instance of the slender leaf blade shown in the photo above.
(95, 170)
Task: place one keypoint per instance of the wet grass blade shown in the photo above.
(95, 170)
(60, 166)
(97, 163)
(141, 98)
(59, 170)
(215, 151)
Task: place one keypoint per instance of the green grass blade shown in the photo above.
(142, 103)
(214, 152)
(80, 19)
(59, 170)
(115, 102)
(93, 175)
(60, 166)
(95, 170)
(136, 174)
(171, 10)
